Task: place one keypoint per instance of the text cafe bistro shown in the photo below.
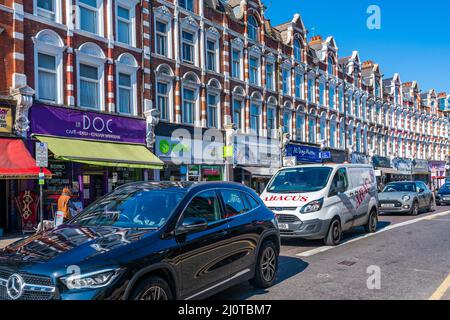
(90, 152)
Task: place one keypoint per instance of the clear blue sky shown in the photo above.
(414, 39)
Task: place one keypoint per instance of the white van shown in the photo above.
(322, 201)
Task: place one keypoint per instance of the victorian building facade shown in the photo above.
(202, 64)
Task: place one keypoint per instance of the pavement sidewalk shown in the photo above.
(4, 241)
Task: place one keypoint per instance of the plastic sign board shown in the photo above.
(41, 154)
(325, 155)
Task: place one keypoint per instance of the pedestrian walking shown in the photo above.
(65, 204)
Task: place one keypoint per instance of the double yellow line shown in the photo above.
(440, 292)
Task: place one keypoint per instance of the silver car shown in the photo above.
(408, 197)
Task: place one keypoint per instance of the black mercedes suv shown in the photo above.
(149, 241)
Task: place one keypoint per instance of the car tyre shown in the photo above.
(152, 288)
(414, 209)
(266, 266)
(334, 234)
(430, 207)
(372, 223)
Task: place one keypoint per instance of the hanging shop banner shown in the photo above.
(27, 203)
(79, 124)
(5, 120)
(256, 151)
(402, 165)
(304, 154)
(359, 158)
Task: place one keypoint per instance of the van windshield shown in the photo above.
(300, 180)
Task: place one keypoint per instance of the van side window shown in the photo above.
(340, 183)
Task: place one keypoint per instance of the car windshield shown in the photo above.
(132, 208)
(300, 180)
(400, 187)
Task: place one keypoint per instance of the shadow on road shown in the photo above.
(288, 267)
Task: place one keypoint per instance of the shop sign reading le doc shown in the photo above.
(80, 124)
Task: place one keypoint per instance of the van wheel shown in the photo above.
(152, 288)
(266, 266)
(334, 234)
(415, 209)
(372, 224)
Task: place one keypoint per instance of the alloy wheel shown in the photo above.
(154, 293)
(268, 264)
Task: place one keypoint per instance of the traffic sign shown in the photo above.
(41, 154)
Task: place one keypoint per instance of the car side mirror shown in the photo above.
(192, 224)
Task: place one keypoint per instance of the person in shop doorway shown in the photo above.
(65, 204)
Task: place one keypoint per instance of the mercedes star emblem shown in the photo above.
(14, 286)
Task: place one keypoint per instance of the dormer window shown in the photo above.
(252, 28)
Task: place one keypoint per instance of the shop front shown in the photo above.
(18, 172)
(256, 160)
(437, 169)
(189, 154)
(91, 153)
(421, 171)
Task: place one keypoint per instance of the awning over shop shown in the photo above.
(16, 162)
(102, 153)
(262, 172)
(393, 171)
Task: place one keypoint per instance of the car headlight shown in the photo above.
(313, 206)
(406, 198)
(92, 280)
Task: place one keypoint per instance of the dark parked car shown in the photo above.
(443, 195)
(149, 241)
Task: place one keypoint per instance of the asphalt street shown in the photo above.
(409, 258)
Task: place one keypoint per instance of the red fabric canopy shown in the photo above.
(16, 162)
